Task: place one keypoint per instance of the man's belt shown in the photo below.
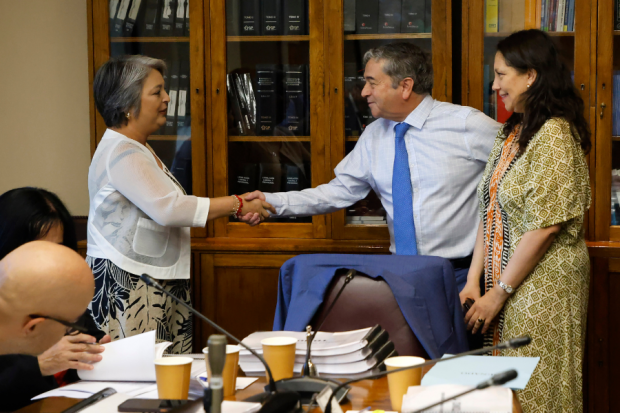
(460, 263)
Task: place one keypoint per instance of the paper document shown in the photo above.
(82, 390)
(343, 368)
(129, 359)
(324, 344)
(491, 400)
(471, 370)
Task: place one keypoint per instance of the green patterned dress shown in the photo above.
(547, 185)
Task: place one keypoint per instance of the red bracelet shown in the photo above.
(240, 206)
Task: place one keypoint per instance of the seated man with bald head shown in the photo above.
(43, 286)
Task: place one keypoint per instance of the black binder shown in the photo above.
(366, 16)
(113, 10)
(250, 18)
(171, 128)
(349, 16)
(293, 179)
(151, 18)
(233, 11)
(179, 20)
(130, 28)
(267, 91)
(245, 180)
(186, 33)
(168, 11)
(121, 15)
(389, 16)
(294, 99)
(427, 16)
(270, 175)
(183, 97)
(271, 17)
(294, 17)
(413, 15)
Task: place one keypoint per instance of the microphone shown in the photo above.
(510, 344)
(310, 382)
(273, 401)
(497, 380)
(217, 359)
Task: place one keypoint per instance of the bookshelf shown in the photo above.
(291, 38)
(592, 50)
(234, 266)
(149, 40)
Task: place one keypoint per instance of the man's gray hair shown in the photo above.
(117, 86)
(402, 60)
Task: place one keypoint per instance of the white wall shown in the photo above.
(44, 115)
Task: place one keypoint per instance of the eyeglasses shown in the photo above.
(72, 328)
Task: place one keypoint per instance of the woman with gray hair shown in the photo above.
(139, 214)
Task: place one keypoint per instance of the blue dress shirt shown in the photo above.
(448, 147)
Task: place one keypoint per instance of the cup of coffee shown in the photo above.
(398, 383)
(279, 353)
(231, 367)
(173, 375)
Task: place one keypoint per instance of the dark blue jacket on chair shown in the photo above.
(424, 288)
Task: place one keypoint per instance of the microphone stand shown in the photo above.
(512, 343)
(272, 400)
(496, 380)
(310, 382)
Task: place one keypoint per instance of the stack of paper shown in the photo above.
(127, 366)
(491, 400)
(344, 354)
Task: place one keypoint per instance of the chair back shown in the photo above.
(366, 302)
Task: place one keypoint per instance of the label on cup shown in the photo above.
(324, 396)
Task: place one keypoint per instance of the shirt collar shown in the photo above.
(419, 114)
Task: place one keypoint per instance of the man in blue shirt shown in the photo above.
(423, 158)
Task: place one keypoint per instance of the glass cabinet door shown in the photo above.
(607, 114)
(361, 25)
(266, 105)
(161, 29)
(503, 17)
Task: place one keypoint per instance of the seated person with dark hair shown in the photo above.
(28, 214)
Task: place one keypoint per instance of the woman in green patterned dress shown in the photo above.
(530, 244)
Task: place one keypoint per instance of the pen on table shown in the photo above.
(108, 391)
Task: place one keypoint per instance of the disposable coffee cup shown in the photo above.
(398, 383)
(231, 368)
(173, 375)
(279, 353)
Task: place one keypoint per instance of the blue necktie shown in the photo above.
(402, 198)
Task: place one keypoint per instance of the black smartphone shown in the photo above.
(150, 405)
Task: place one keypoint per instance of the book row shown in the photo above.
(177, 86)
(387, 16)
(279, 107)
(149, 18)
(266, 17)
(508, 16)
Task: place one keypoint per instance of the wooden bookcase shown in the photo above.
(235, 267)
(592, 51)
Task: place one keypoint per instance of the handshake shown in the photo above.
(255, 209)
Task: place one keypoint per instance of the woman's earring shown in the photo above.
(528, 86)
(128, 115)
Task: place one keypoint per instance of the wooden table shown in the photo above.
(372, 393)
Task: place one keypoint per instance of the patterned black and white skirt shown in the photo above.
(124, 306)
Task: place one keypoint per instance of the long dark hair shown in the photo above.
(552, 94)
(27, 214)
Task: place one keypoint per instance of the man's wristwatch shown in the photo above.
(505, 287)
